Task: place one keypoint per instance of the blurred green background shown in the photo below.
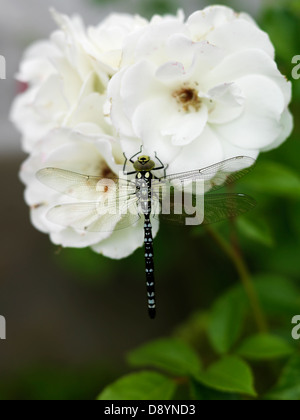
(76, 322)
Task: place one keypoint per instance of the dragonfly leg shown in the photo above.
(124, 167)
(129, 173)
(156, 157)
(164, 167)
(125, 163)
(140, 151)
(165, 170)
(130, 160)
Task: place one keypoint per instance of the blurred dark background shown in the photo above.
(71, 314)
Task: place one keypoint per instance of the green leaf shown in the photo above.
(227, 319)
(140, 386)
(264, 347)
(277, 294)
(230, 374)
(193, 328)
(288, 387)
(273, 178)
(200, 392)
(171, 355)
(256, 229)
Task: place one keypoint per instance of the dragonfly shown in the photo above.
(143, 197)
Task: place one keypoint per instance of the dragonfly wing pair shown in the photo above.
(121, 209)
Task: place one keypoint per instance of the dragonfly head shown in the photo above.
(144, 163)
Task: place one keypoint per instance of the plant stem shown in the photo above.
(245, 277)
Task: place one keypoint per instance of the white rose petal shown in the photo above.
(107, 39)
(35, 68)
(286, 123)
(231, 31)
(227, 103)
(259, 125)
(204, 151)
(123, 243)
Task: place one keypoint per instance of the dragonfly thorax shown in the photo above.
(144, 164)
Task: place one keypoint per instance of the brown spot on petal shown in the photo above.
(106, 172)
(37, 206)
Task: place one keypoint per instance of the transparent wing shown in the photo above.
(220, 207)
(83, 187)
(218, 175)
(92, 217)
(217, 207)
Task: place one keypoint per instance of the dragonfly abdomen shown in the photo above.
(150, 282)
(144, 183)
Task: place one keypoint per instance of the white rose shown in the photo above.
(71, 151)
(201, 91)
(67, 77)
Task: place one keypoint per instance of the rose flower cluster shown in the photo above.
(195, 90)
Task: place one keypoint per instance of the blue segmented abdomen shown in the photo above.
(144, 194)
(150, 282)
